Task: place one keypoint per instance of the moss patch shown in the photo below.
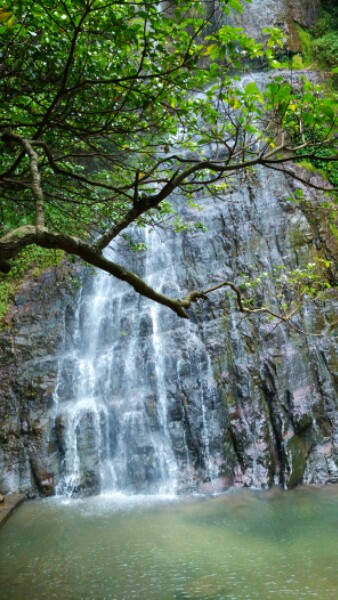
(298, 448)
(31, 262)
(306, 42)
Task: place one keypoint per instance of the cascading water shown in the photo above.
(114, 425)
(149, 403)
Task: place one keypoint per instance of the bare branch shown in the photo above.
(14, 242)
(194, 296)
(57, 169)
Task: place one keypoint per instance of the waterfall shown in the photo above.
(123, 415)
(150, 403)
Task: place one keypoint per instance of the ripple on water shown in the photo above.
(243, 546)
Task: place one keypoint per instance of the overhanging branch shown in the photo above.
(182, 176)
(13, 243)
(194, 296)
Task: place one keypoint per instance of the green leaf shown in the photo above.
(251, 88)
(235, 5)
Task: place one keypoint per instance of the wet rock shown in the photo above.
(297, 449)
(43, 477)
(28, 353)
(288, 15)
(301, 422)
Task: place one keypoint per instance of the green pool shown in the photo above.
(243, 545)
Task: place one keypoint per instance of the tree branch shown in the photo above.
(179, 177)
(193, 296)
(10, 138)
(14, 242)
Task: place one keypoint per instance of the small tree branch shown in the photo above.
(181, 176)
(193, 296)
(12, 138)
(60, 171)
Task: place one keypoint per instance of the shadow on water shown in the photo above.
(272, 515)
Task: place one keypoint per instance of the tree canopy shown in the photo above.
(109, 108)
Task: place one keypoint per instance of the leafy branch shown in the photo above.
(109, 110)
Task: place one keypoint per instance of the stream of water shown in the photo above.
(121, 404)
(243, 545)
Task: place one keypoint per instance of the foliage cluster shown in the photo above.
(320, 47)
(109, 110)
(290, 286)
(325, 38)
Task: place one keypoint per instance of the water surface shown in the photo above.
(243, 545)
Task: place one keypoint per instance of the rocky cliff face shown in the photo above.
(285, 14)
(247, 401)
(278, 388)
(30, 339)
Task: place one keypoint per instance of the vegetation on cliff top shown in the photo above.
(110, 109)
(325, 43)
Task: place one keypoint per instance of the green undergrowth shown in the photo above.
(328, 170)
(320, 50)
(306, 41)
(31, 263)
(321, 44)
(325, 44)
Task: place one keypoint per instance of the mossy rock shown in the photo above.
(297, 449)
(301, 422)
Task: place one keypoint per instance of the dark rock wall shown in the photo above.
(279, 387)
(288, 15)
(30, 339)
